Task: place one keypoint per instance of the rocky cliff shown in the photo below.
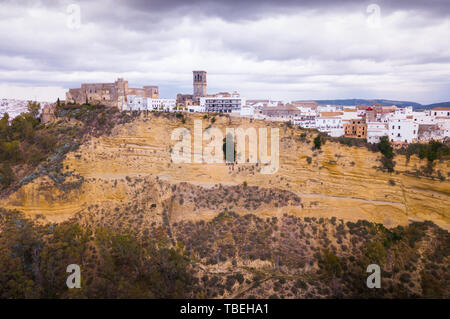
(132, 168)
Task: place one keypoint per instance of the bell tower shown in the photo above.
(199, 85)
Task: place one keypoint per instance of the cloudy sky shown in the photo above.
(313, 49)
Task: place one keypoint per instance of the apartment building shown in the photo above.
(356, 128)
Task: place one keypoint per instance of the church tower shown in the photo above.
(199, 85)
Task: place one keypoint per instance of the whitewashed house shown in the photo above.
(375, 130)
(330, 123)
(305, 121)
(441, 112)
(403, 130)
(423, 118)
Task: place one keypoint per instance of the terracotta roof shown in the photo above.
(287, 107)
(443, 108)
(330, 114)
(305, 103)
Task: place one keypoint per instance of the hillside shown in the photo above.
(323, 208)
(355, 102)
(432, 106)
(369, 102)
(342, 181)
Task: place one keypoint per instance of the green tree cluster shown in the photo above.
(34, 259)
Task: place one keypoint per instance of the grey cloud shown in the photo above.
(141, 39)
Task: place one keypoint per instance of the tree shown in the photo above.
(10, 151)
(22, 126)
(6, 175)
(331, 263)
(5, 129)
(317, 142)
(33, 108)
(385, 147)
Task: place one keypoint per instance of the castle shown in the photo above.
(109, 94)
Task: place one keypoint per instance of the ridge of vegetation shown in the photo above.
(230, 256)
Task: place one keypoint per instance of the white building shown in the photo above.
(139, 103)
(445, 127)
(247, 111)
(326, 108)
(307, 111)
(349, 114)
(305, 121)
(408, 110)
(161, 104)
(136, 103)
(222, 102)
(403, 130)
(441, 112)
(423, 118)
(442, 118)
(196, 109)
(331, 123)
(375, 130)
(361, 111)
(263, 103)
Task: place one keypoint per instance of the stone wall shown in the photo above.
(109, 94)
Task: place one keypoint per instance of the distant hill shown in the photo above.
(432, 106)
(382, 102)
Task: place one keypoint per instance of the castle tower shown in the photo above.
(199, 85)
(121, 87)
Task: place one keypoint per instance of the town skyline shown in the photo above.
(284, 50)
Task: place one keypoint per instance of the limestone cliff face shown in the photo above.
(133, 167)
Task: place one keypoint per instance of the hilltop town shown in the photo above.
(94, 174)
(402, 125)
(104, 194)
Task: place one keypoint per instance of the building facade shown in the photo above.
(375, 130)
(305, 121)
(139, 103)
(356, 128)
(403, 131)
(330, 123)
(109, 94)
(222, 102)
(287, 112)
(441, 112)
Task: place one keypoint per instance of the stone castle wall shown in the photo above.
(109, 94)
